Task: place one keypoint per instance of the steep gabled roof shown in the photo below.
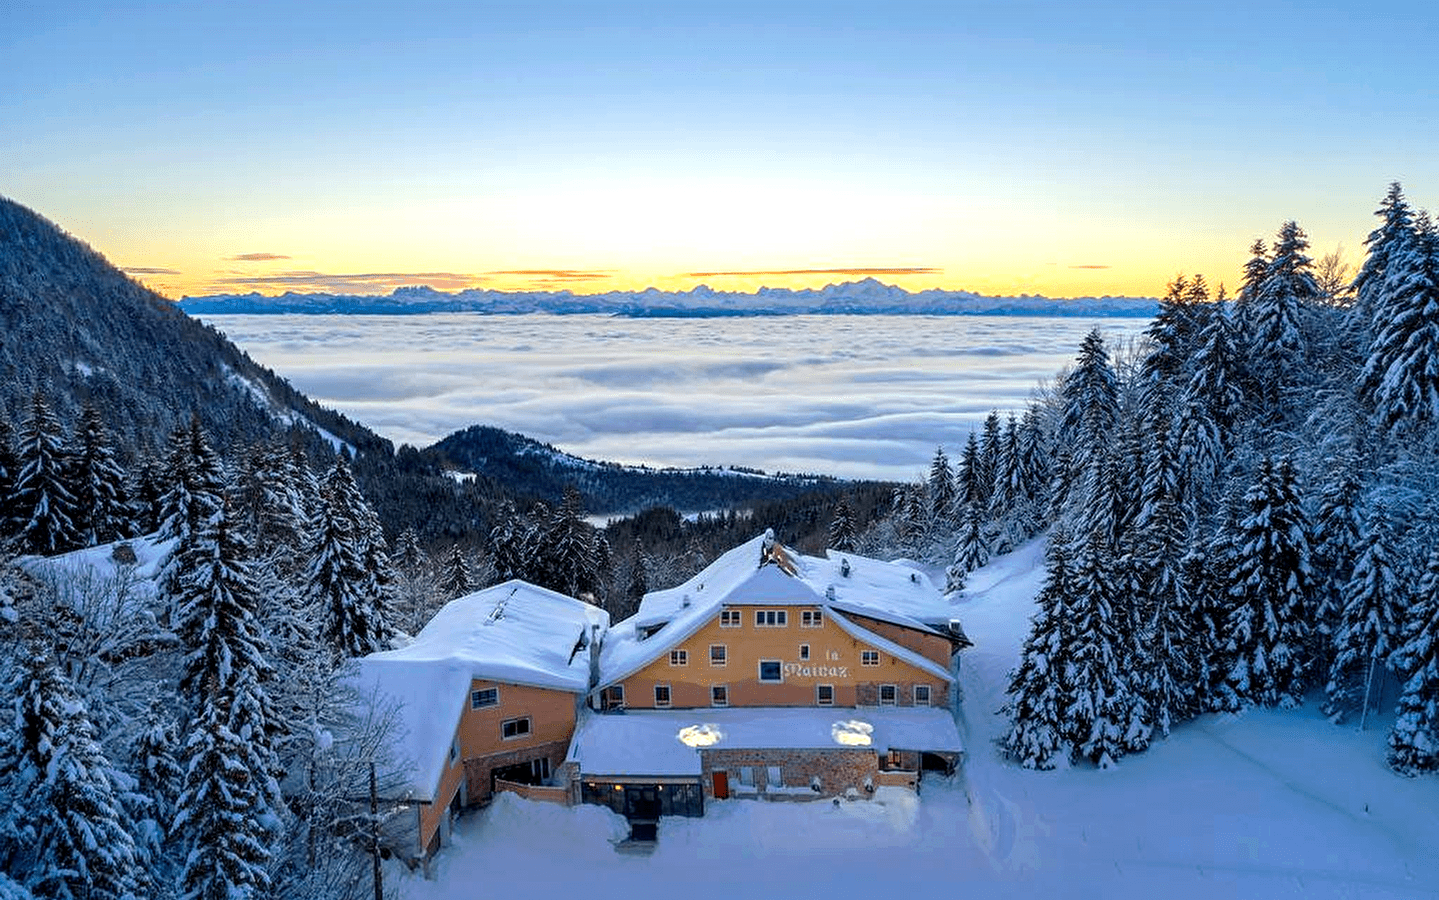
(514, 633)
(761, 571)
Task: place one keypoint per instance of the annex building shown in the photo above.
(769, 674)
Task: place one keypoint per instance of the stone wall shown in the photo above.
(838, 771)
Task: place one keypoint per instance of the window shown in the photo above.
(679, 657)
(719, 695)
(454, 751)
(514, 728)
(772, 777)
(484, 697)
(617, 696)
(662, 695)
(921, 695)
(771, 618)
(887, 695)
(729, 618)
(811, 618)
(804, 651)
(745, 776)
(770, 670)
(717, 654)
(824, 695)
(869, 658)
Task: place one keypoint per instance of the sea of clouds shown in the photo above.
(854, 396)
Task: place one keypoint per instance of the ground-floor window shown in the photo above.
(662, 695)
(773, 777)
(888, 695)
(921, 695)
(719, 695)
(824, 695)
(514, 728)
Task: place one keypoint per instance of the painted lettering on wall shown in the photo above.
(805, 670)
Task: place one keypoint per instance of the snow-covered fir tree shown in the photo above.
(42, 505)
(1099, 707)
(1037, 734)
(458, 577)
(158, 775)
(1278, 348)
(969, 485)
(971, 548)
(507, 544)
(230, 807)
(78, 840)
(1270, 625)
(337, 585)
(569, 549)
(1401, 376)
(1370, 604)
(9, 471)
(842, 528)
(1384, 245)
(102, 509)
(941, 486)
(1414, 739)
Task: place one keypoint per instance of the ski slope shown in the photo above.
(1258, 805)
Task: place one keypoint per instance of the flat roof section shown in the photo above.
(669, 741)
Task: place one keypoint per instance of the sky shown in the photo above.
(1060, 148)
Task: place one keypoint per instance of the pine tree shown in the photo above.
(1036, 738)
(506, 544)
(1098, 705)
(1370, 313)
(570, 548)
(195, 485)
(969, 485)
(1414, 739)
(1401, 376)
(1171, 335)
(409, 555)
(1368, 623)
(9, 471)
(841, 527)
(941, 487)
(639, 583)
(80, 836)
(971, 550)
(1034, 461)
(1246, 304)
(147, 506)
(1091, 406)
(102, 509)
(458, 578)
(1271, 585)
(1337, 527)
(231, 800)
(1278, 346)
(158, 774)
(336, 583)
(1008, 493)
(990, 439)
(43, 506)
(1216, 382)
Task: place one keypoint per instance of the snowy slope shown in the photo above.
(1264, 804)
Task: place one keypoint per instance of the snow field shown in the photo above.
(1262, 804)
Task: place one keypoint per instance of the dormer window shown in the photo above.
(811, 618)
(771, 618)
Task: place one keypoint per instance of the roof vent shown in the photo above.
(498, 612)
(829, 593)
(844, 567)
(914, 577)
(685, 601)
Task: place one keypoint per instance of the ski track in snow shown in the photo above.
(1257, 805)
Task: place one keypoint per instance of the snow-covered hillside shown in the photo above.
(1263, 804)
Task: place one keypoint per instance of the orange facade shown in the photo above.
(744, 656)
(505, 721)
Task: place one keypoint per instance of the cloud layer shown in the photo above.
(256, 257)
(858, 396)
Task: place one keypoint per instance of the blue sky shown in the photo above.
(1001, 145)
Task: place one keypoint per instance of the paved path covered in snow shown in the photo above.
(1265, 804)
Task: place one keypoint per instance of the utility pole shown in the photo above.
(375, 836)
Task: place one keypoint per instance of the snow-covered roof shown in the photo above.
(668, 742)
(97, 566)
(840, 581)
(516, 633)
(885, 590)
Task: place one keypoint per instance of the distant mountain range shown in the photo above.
(867, 297)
